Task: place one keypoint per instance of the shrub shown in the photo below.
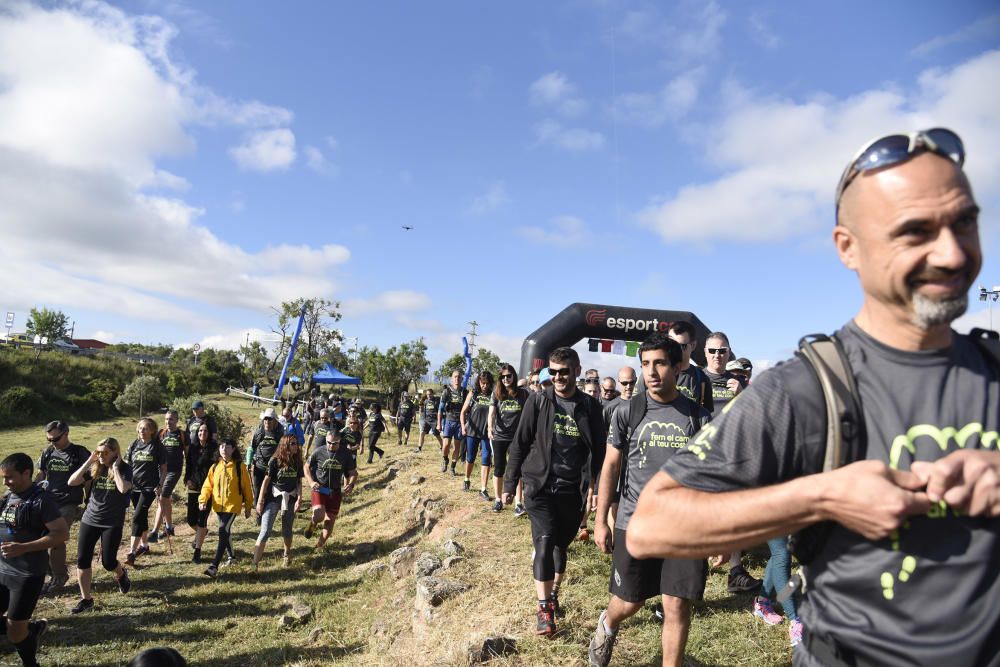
(21, 405)
(143, 392)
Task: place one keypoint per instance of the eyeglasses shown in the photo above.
(896, 148)
(625, 383)
(717, 350)
(560, 372)
(51, 439)
(269, 419)
(607, 391)
(506, 376)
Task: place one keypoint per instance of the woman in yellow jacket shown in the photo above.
(228, 488)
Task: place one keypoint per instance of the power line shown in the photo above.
(472, 337)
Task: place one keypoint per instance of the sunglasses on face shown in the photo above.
(896, 148)
(506, 376)
(560, 372)
(717, 350)
(626, 383)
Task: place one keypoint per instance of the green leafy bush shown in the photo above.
(142, 394)
(21, 405)
(229, 423)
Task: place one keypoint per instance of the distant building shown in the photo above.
(89, 344)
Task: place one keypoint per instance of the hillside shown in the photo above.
(363, 613)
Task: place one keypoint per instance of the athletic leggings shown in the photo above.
(226, 520)
(257, 476)
(500, 457)
(142, 500)
(111, 539)
(555, 518)
(373, 437)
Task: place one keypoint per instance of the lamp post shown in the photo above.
(989, 296)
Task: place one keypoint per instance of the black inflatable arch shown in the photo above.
(588, 320)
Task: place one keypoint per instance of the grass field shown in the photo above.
(365, 620)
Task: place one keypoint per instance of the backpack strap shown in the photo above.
(637, 407)
(988, 341)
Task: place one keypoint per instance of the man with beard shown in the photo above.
(909, 569)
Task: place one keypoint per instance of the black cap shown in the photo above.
(57, 425)
(197, 404)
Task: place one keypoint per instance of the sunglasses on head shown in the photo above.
(717, 350)
(896, 148)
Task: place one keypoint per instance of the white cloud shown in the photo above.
(780, 159)
(393, 301)
(692, 33)
(90, 101)
(331, 143)
(316, 161)
(564, 231)
(234, 340)
(265, 150)
(574, 139)
(761, 32)
(671, 102)
(489, 201)
(985, 28)
(555, 90)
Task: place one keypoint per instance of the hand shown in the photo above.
(190, 485)
(93, 456)
(716, 561)
(871, 498)
(968, 480)
(314, 486)
(260, 510)
(603, 537)
(298, 503)
(348, 488)
(734, 385)
(12, 549)
(246, 512)
(203, 506)
(508, 498)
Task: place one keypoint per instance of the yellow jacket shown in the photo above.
(222, 489)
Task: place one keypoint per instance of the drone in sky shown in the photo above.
(407, 227)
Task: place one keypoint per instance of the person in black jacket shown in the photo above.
(558, 450)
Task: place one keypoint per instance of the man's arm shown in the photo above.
(58, 534)
(603, 536)
(673, 521)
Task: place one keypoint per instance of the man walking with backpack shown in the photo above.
(645, 432)
(906, 569)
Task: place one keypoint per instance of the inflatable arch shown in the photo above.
(588, 320)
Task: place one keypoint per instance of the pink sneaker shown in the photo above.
(795, 633)
(763, 610)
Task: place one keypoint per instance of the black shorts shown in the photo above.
(635, 580)
(405, 423)
(169, 482)
(429, 427)
(19, 595)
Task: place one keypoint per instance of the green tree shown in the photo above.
(395, 369)
(485, 360)
(51, 324)
(141, 395)
(256, 358)
(318, 342)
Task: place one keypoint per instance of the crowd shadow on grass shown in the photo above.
(351, 509)
(732, 602)
(279, 655)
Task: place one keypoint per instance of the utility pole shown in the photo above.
(472, 338)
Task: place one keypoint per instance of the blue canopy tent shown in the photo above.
(330, 375)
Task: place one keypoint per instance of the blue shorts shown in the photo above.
(451, 430)
(486, 453)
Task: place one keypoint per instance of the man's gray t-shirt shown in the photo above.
(608, 409)
(929, 595)
(721, 393)
(665, 429)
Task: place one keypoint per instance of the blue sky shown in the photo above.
(170, 170)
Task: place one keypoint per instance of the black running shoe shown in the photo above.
(85, 604)
(196, 557)
(169, 531)
(152, 538)
(212, 571)
(466, 485)
(444, 466)
(124, 583)
(484, 495)
(498, 506)
(142, 550)
(740, 581)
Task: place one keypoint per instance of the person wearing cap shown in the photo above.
(263, 444)
(544, 379)
(292, 425)
(404, 419)
(428, 418)
(325, 472)
(738, 368)
(59, 460)
(198, 417)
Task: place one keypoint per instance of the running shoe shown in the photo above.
(557, 611)
(142, 550)
(795, 633)
(130, 559)
(444, 466)
(310, 529)
(212, 571)
(602, 644)
(169, 530)
(453, 471)
(658, 612)
(85, 604)
(519, 510)
(152, 538)
(466, 485)
(483, 495)
(740, 581)
(498, 506)
(230, 561)
(124, 582)
(764, 610)
(417, 450)
(196, 557)
(545, 624)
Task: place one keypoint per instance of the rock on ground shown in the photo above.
(298, 612)
(426, 564)
(453, 548)
(493, 646)
(401, 561)
(432, 591)
(448, 562)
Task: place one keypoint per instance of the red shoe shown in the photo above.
(546, 624)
